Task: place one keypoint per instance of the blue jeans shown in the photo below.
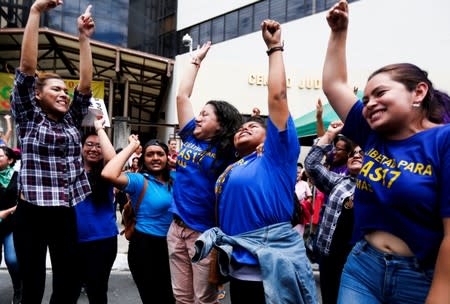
(373, 277)
(286, 272)
(11, 259)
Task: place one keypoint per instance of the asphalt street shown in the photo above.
(122, 288)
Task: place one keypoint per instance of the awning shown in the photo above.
(306, 124)
(142, 79)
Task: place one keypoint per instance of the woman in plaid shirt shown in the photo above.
(335, 230)
(52, 179)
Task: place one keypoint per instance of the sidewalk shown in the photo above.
(121, 262)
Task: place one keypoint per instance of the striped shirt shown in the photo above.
(52, 173)
(338, 187)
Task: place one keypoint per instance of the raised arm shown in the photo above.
(323, 179)
(107, 148)
(185, 110)
(9, 131)
(29, 52)
(333, 130)
(276, 83)
(113, 169)
(320, 126)
(439, 291)
(334, 77)
(86, 29)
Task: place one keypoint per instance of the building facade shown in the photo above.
(380, 32)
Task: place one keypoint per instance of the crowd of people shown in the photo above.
(231, 203)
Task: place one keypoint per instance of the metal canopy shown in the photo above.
(141, 79)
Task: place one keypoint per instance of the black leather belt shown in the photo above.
(179, 221)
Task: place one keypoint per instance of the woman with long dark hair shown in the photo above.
(8, 201)
(255, 198)
(96, 219)
(206, 151)
(147, 253)
(402, 198)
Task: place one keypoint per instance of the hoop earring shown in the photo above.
(416, 105)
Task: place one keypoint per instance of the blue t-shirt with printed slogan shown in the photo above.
(153, 216)
(194, 197)
(403, 185)
(258, 191)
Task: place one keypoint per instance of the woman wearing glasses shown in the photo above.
(338, 156)
(96, 219)
(335, 230)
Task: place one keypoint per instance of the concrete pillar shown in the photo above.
(121, 131)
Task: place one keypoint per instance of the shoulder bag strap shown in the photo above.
(142, 195)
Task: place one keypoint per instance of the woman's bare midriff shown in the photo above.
(388, 243)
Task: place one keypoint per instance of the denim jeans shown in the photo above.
(286, 272)
(371, 277)
(11, 259)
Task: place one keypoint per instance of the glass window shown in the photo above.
(320, 5)
(296, 9)
(71, 6)
(167, 41)
(102, 9)
(245, 20)
(330, 3)
(261, 11)
(119, 9)
(205, 32)
(69, 23)
(231, 25)
(278, 10)
(194, 34)
(217, 30)
(55, 20)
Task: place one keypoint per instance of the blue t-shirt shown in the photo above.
(193, 192)
(153, 216)
(403, 185)
(96, 220)
(258, 191)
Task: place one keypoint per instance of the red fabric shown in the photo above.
(307, 210)
(318, 202)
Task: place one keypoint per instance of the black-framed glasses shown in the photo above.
(91, 145)
(337, 149)
(356, 152)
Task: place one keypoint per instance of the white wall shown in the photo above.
(190, 12)
(381, 32)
